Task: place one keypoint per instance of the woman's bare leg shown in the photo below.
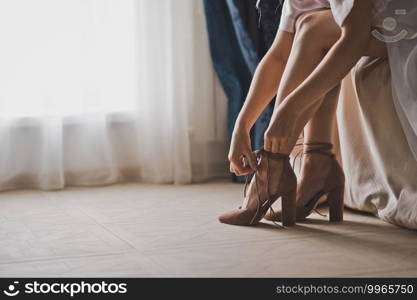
(315, 167)
(320, 127)
(320, 130)
(316, 32)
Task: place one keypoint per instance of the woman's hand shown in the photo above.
(281, 130)
(241, 147)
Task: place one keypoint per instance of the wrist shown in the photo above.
(242, 126)
(289, 109)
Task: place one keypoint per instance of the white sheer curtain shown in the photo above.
(100, 91)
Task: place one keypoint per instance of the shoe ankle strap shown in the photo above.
(274, 156)
(319, 148)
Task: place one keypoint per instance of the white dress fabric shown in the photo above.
(377, 160)
(403, 64)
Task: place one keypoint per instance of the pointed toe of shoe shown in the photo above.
(229, 217)
(223, 218)
(239, 217)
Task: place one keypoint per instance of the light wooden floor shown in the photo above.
(138, 230)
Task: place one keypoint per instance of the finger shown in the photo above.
(238, 167)
(267, 144)
(252, 160)
(237, 172)
(276, 144)
(233, 170)
(243, 171)
(285, 146)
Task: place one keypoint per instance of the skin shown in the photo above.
(308, 81)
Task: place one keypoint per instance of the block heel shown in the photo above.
(289, 209)
(333, 187)
(336, 204)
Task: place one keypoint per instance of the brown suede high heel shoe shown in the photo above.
(333, 187)
(273, 178)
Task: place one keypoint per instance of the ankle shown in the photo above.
(323, 148)
(316, 165)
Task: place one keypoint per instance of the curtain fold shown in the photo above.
(100, 91)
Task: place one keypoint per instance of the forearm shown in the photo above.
(329, 73)
(342, 57)
(266, 80)
(263, 88)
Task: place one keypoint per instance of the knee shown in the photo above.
(308, 28)
(317, 30)
(307, 21)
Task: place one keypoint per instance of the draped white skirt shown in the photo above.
(395, 23)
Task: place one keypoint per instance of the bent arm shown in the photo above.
(342, 57)
(266, 80)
